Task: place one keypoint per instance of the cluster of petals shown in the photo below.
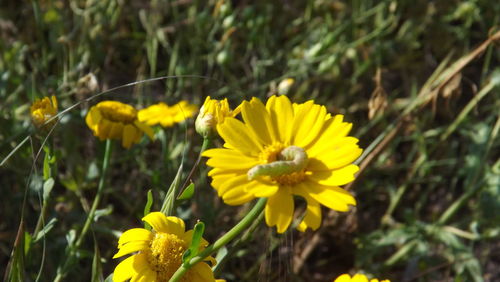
(157, 254)
(42, 110)
(356, 278)
(213, 112)
(116, 120)
(257, 143)
(166, 115)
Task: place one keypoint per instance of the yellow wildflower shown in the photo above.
(356, 278)
(43, 110)
(212, 113)
(158, 253)
(281, 150)
(116, 120)
(166, 115)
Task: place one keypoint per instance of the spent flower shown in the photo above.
(43, 110)
(166, 115)
(213, 112)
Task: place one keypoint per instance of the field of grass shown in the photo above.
(419, 80)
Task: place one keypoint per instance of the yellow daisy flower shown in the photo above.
(356, 278)
(116, 120)
(281, 150)
(42, 110)
(158, 253)
(166, 115)
(212, 113)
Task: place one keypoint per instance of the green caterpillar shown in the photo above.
(291, 159)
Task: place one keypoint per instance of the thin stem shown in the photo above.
(97, 199)
(224, 240)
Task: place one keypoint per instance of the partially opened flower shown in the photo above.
(213, 112)
(281, 150)
(43, 110)
(116, 120)
(166, 115)
(157, 254)
(356, 278)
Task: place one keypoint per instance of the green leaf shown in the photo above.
(46, 163)
(187, 193)
(169, 201)
(46, 229)
(193, 249)
(147, 208)
(47, 187)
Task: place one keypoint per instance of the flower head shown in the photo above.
(166, 115)
(213, 112)
(43, 110)
(116, 120)
(356, 278)
(281, 150)
(158, 253)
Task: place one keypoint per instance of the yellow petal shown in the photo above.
(188, 237)
(131, 247)
(237, 135)
(238, 181)
(145, 128)
(93, 118)
(130, 267)
(145, 275)
(129, 134)
(311, 126)
(166, 224)
(135, 234)
(336, 177)
(201, 272)
(312, 218)
(359, 278)
(230, 159)
(257, 119)
(343, 278)
(301, 111)
(335, 159)
(279, 209)
(261, 190)
(103, 129)
(116, 130)
(332, 197)
(237, 196)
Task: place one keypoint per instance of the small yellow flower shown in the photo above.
(281, 150)
(116, 120)
(158, 253)
(213, 112)
(43, 110)
(166, 115)
(356, 278)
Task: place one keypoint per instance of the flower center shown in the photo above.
(285, 165)
(165, 255)
(118, 112)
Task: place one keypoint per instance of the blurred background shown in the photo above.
(418, 79)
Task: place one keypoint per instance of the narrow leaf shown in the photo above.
(187, 193)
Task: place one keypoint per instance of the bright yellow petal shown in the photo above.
(116, 130)
(279, 209)
(261, 190)
(145, 128)
(237, 196)
(130, 267)
(230, 159)
(237, 135)
(131, 247)
(135, 234)
(332, 197)
(333, 130)
(359, 278)
(312, 218)
(257, 119)
(301, 111)
(103, 129)
(335, 159)
(201, 272)
(145, 275)
(93, 118)
(336, 177)
(343, 278)
(310, 126)
(238, 181)
(188, 237)
(166, 224)
(281, 113)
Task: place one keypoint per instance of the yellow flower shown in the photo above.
(356, 278)
(158, 253)
(116, 120)
(43, 110)
(281, 150)
(166, 115)
(212, 113)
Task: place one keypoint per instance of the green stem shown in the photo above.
(224, 240)
(97, 199)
